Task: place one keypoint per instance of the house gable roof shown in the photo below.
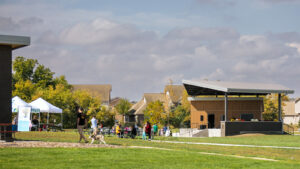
(175, 92)
(102, 90)
(140, 106)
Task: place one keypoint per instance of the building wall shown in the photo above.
(297, 107)
(291, 119)
(216, 107)
(289, 107)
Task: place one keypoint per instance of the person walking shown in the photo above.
(94, 125)
(144, 132)
(81, 124)
(148, 130)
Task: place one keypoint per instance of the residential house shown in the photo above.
(137, 110)
(173, 94)
(103, 91)
(291, 111)
(171, 97)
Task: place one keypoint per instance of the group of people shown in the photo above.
(82, 123)
(147, 131)
(97, 130)
(127, 131)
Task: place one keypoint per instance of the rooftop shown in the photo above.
(14, 41)
(196, 87)
(102, 90)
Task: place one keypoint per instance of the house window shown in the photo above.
(201, 118)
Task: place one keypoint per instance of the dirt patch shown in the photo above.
(53, 144)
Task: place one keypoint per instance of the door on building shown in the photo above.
(211, 121)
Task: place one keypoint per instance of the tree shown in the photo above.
(42, 76)
(63, 98)
(123, 108)
(32, 80)
(178, 115)
(23, 68)
(62, 80)
(271, 107)
(106, 116)
(24, 89)
(155, 113)
(186, 104)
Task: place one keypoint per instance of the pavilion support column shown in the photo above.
(226, 106)
(5, 88)
(279, 107)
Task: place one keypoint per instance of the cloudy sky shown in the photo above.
(138, 45)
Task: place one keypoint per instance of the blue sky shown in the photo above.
(137, 46)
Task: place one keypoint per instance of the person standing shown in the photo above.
(118, 130)
(35, 123)
(148, 130)
(144, 132)
(133, 131)
(81, 124)
(94, 125)
(155, 129)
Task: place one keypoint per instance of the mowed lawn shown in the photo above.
(122, 158)
(175, 155)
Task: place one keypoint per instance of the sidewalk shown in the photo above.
(229, 145)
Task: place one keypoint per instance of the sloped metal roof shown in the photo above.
(14, 41)
(195, 87)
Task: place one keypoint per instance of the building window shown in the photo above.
(201, 118)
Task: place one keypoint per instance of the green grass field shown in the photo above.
(176, 155)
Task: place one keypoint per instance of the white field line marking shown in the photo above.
(150, 148)
(237, 156)
(229, 145)
(206, 153)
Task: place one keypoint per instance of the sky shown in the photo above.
(138, 45)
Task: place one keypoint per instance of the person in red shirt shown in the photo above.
(148, 130)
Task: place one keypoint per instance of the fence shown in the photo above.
(288, 129)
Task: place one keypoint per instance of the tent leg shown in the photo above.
(61, 121)
(47, 120)
(39, 121)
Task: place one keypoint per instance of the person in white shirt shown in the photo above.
(94, 125)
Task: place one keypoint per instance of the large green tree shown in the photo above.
(178, 116)
(123, 108)
(155, 113)
(32, 80)
(23, 68)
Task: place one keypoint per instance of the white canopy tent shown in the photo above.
(46, 107)
(18, 102)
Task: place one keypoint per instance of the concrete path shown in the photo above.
(229, 145)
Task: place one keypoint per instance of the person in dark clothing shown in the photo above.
(81, 124)
(133, 131)
(148, 130)
(35, 123)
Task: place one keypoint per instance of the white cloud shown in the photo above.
(294, 45)
(99, 49)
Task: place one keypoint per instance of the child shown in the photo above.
(144, 132)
